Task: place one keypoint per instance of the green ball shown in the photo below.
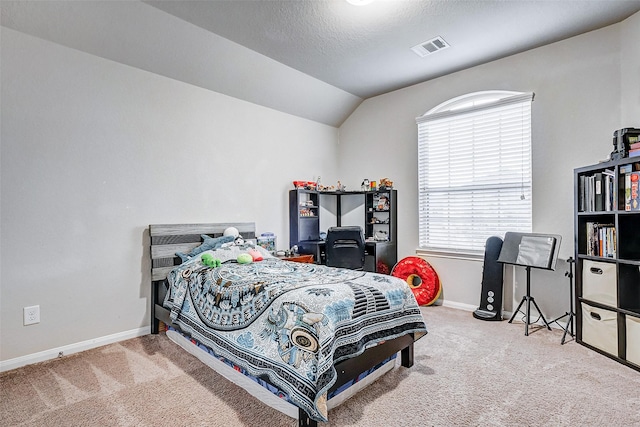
(245, 259)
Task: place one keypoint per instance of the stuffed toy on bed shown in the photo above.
(210, 261)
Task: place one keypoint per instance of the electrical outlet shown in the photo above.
(31, 315)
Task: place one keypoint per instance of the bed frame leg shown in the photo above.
(304, 420)
(406, 356)
(155, 326)
(155, 323)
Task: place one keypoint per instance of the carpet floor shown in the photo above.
(467, 372)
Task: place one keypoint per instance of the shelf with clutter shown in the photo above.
(310, 202)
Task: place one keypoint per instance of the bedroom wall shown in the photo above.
(630, 71)
(92, 152)
(578, 104)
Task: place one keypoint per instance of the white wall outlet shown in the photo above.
(31, 315)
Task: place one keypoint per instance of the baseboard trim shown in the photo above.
(7, 365)
(459, 305)
(469, 307)
(506, 315)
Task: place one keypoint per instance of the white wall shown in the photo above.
(630, 71)
(577, 107)
(145, 37)
(93, 152)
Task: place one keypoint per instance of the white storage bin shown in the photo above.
(599, 282)
(600, 328)
(633, 339)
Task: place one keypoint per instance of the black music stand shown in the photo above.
(571, 313)
(530, 250)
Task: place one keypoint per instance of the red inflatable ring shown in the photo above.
(421, 278)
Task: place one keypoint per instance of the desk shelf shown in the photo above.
(380, 224)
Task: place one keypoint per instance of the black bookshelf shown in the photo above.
(607, 254)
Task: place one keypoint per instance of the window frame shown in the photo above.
(461, 109)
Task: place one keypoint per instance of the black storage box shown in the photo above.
(622, 139)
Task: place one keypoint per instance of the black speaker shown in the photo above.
(492, 275)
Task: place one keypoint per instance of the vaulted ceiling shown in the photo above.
(316, 59)
(366, 50)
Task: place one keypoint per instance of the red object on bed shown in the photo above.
(421, 278)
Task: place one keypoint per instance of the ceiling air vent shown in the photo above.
(432, 46)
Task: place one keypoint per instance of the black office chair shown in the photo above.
(345, 247)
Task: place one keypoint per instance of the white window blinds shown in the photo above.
(474, 171)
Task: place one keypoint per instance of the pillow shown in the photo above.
(209, 243)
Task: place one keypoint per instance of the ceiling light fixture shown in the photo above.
(359, 2)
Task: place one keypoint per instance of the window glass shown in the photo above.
(474, 170)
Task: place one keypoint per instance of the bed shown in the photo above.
(294, 335)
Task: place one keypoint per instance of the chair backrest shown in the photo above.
(345, 247)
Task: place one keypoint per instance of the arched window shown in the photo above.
(474, 170)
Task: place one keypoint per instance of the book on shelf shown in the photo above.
(634, 152)
(627, 191)
(601, 240)
(634, 182)
(596, 192)
(581, 195)
(609, 191)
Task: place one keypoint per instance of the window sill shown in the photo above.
(450, 255)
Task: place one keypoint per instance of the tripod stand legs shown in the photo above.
(529, 299)
(566, 330)
(527, 322)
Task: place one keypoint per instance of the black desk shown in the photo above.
(375, 253)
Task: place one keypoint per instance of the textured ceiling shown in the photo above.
(315, 59)
(366, 50)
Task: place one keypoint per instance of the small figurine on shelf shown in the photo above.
(341, 187)
(383, 203)
(380, 236)
(386, 184)
(365, 185)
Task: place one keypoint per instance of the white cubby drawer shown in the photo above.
(600, 328)
(633, 339)
(599, 282)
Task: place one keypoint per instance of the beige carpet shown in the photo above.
(467, 372)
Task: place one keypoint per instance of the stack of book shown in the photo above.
(597, 192)
(631, 187)
(634, 146)
(601, 240)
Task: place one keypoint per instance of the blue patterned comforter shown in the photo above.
(289, 321)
